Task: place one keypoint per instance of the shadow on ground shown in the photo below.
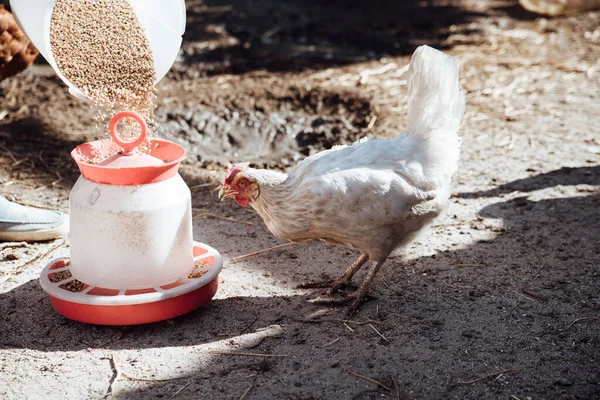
(560, 177)
(235, 36)
(40, 156)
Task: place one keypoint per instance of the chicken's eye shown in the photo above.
(242, 183)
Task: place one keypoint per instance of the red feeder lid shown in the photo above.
(119, 164)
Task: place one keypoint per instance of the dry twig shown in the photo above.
(19, 162)
(348, 327)
(58, 180)
(515, 307)
(534, 295)
(523, 295)
(43, 161)
(372, 122)
(209, 215)
(396, 387)
(243, 396)
(6, 245)
(216, 9)
(582, 319)
(133, 378)
(369, 379)
(20, 268)
(281, 246)
(470, 265)
(181, 390)
(9, 153)
(237, 353)
(368, 321)
(365, 75)
(330, 343)
(379, 333)
(192, 188)
(116, 373)
(489, 376)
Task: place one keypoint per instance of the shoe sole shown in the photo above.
(37, 235)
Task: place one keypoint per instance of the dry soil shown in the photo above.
(500, 300)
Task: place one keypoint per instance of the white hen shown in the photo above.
(375, 195)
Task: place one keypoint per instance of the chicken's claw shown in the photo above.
(355, 299)
(335, 301)
(334, 285)
(338, 283)
(315, 284)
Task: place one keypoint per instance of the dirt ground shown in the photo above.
(500, 300)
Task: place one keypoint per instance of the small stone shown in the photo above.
(11, 257)
(563, 382)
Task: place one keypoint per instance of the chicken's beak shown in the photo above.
(221, 193)
(226, 193)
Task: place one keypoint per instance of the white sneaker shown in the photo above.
(23, 223)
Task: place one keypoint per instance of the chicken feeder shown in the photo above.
(132, 258)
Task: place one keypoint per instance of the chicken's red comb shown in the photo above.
(233, 171)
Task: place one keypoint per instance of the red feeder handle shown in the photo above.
(128, 147)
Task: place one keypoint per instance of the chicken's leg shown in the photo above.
(342, 281)
(363, 289)
(357, 297)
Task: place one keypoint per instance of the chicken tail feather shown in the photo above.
(436, 104)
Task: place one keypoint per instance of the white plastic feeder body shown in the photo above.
(131, 236)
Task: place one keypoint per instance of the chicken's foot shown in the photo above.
(338, 283)
(357, 297)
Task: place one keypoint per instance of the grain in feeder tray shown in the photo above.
(100, 46)
(59, 276)
(73, 286)
(197, 273)
(199, 269)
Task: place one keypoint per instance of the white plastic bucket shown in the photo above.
(163, 22)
